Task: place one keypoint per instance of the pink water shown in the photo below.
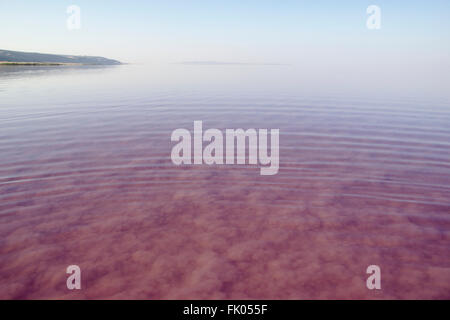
(86, 178)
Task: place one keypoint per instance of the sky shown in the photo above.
(261, 31)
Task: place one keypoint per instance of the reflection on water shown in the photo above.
(86, 178)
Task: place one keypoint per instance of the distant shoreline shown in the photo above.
(8, 63)
(19, 58)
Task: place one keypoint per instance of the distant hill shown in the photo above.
(18, 57)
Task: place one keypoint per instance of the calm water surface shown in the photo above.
(86, 178)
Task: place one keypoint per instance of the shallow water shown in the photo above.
(86, 178)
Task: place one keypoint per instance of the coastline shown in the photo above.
(7, 63)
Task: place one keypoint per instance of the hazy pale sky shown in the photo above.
(256, 31)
